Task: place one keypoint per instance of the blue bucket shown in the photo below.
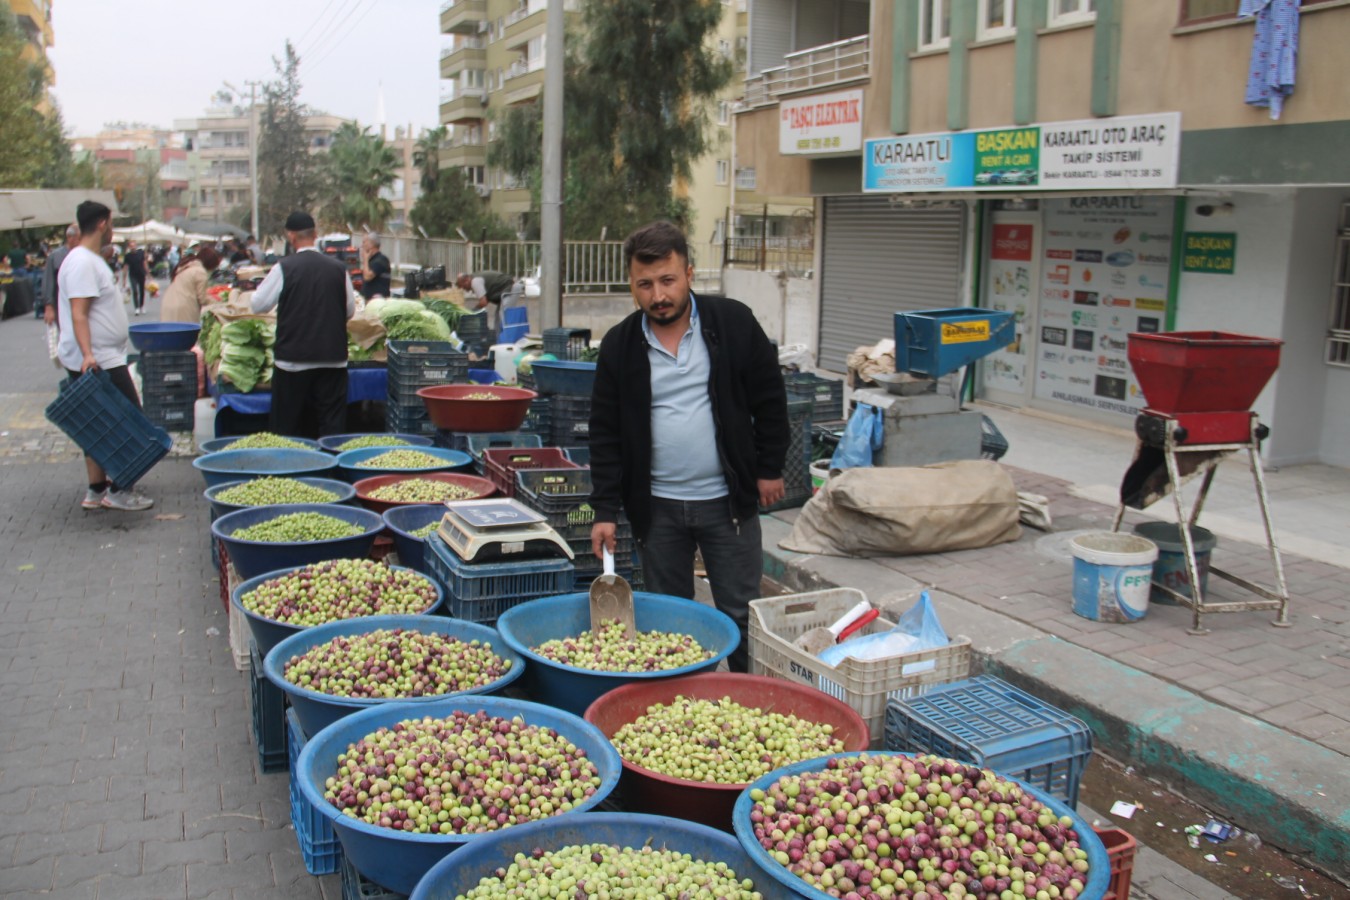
(398, 860)
(252, 558)
(402, 521)
(348, 462)
(1112, 575)
(1170, 569)
(242, 465)
(536, 621)
(460, 873)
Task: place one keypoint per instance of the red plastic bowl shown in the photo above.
(698, 801)
(451, 411)
(480, 486)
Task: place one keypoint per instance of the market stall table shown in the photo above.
(364, 384)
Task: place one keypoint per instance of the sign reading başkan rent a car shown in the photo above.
(821, 124)
(1120, 153)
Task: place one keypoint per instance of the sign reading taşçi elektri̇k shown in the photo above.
(1120, 153)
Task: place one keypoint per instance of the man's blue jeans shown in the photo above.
(732, 555)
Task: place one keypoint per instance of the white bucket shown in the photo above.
(1112, 575)
(505, 357)
(204, 420)
(820, 473)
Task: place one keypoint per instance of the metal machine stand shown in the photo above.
(1171, 442)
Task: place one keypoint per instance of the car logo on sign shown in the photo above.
(1120, 259)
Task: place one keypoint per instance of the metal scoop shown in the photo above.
(612, 598)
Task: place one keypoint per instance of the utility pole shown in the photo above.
(551, 213)
(252, 146)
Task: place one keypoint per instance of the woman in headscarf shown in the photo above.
(186, 296)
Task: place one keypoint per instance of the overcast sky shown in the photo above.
(154, 61)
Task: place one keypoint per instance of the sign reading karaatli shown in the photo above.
(1120, 153)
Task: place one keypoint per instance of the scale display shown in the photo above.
(498, 513)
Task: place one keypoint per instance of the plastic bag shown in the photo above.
(863, 436)
(918, 629)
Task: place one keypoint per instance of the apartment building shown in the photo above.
(496, 60)
(34, 18)
(1091, 166)
(218, 159)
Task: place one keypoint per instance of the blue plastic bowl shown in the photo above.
(317, 711)
(531, 624)
(216, 445)
(267, 633)
(334, 441)
(1099, 864)
(241, 465)
(164, 337)
(564, 376)
(398, 860)
(347, 462)
(346, 493)
(461, 872)
(253, 558)
(402, 520)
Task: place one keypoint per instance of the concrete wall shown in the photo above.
(788, 309)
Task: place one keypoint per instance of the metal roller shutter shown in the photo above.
(877, 260)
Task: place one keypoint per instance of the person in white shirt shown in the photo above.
(94, 335)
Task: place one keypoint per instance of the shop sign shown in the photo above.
(1210, 252)
(821, 124)
(1119, 153)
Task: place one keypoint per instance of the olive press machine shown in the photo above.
(921, 402)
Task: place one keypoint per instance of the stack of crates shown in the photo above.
(826, 394)
(570, 416)
(475, 331)
(169, 389)
(562, 496)
(475, 443)
(566, 343)
(797, 464)
(267, 704)
(500, 464)
(319, 846)
(482, 591)
(539, 419)
(987, 722)
(414, 365)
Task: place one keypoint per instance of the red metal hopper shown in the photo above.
(1202, 371)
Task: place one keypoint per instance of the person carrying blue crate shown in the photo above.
(94, 335)
(688, 430)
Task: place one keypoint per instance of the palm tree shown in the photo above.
(426, 156)
(358, 168)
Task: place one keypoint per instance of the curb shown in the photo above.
(1290, 791)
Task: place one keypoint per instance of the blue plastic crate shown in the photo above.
(990, 723)
(318, 843)
(480, 592)
(109, 427)
(268, 712)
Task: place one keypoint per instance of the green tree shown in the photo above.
(33, 148)
(426, 156)
(358, 167)
(287, 174)
(640, 81)
(454, 204)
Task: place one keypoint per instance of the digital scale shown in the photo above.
(499, 529)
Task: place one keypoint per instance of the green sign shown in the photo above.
(1210, 252)
(1007, 156)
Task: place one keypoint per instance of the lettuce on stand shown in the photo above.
(246, 352)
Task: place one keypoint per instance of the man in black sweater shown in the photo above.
(688, 430)
(313, 297)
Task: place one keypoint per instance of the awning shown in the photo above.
(44, 208)
(149, 231)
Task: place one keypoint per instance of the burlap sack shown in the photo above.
(365, 332)
(902, 511)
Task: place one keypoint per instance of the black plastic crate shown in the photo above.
(562, 496)
(409, 419)
(571, 420)
(826, 394)
(168, 368)
(267, 705)
(181, 392)
(403, 387)
(409, 356)
(473, 325)
(992, 442)
(355, 886)
(797, 465)
(172, 415)
(566, 343)
(539, 418)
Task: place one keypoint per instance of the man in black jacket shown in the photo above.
(688, 430)
(313, 298)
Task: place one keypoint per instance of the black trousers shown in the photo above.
(311, 404)
(137, 291)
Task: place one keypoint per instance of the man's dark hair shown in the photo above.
(655, 242)
(90, 214)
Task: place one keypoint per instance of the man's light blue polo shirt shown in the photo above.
(685, 464)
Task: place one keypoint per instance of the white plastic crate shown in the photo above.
(240, 633)
(865, 685)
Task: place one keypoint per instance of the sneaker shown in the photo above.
(92, 499)
(127, 501)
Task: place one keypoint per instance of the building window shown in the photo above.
(995, 20)
(724, 48)
(723, 171)
(935, 24)
(1338, 336)
(1193, 11)
(723, 112)
(745, 178)
(1070, 12)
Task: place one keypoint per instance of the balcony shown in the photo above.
(462, 108)
(524, 81)
(462, 155)
(463, 16)
(470, 53)
(842, 62)
(525, 23)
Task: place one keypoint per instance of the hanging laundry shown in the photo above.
(1274, 62)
